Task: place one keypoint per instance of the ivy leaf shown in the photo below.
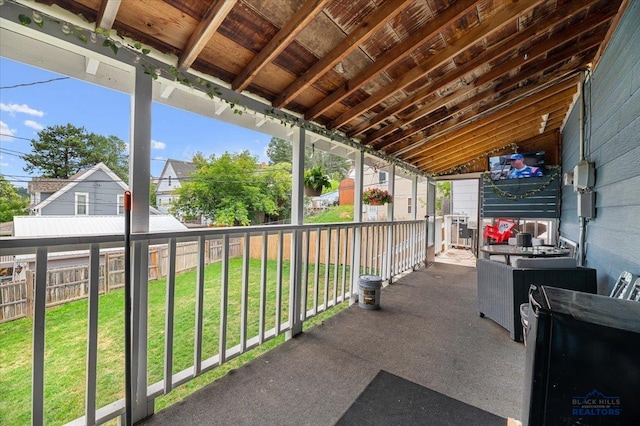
(137, 45)
(146, 51)
(24, 19)
(83, 38)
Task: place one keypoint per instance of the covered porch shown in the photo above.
(432, 90)
(427, 331)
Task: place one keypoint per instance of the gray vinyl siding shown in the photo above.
(613, 144)
(103, 195)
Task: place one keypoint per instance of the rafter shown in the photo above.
(571, 50)
(502, 130)
(392, 57)
(474, 114)
(365, 30)
(526, 102)
(481, 149)
(209, 24)
(279, 42)
(512, 42)
(107, 13)
(471, 37)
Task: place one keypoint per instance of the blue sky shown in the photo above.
(26, 110)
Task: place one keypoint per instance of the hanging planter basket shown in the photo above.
(376, 197)
(310, 191)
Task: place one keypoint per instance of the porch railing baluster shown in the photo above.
(316, 273)
(327, 264)
(244, 302)
(263, 286)
(197, 350)
(92, 333)
(39, 313)
(224, 296)
(169, 316)
(279, 284)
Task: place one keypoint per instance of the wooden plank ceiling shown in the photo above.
(439, 84)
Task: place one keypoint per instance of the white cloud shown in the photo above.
(158, 144)
(22, 109)
(159, 158)
(33, 124)
(6, 134)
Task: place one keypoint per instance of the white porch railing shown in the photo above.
(332, 256)
(457, 232)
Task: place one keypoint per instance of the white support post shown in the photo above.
(390, 234)
(414, 217)
(297, 218)
(357, 232)
(139, 179)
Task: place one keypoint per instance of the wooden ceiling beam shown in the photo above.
(550, 61)
(502, 131)
(393, 56)
(366, 29)
(541, 49)
(533, 113)
(511, 43)
(537, 52)
(107, 14)
(521, 95)
(289, 31)
(502, 136)
(471, 153)
(471, 37)
(209, 24)
(530, 103)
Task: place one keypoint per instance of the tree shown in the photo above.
(281, 151)
(11, 203)
(233, 189)
(62, 151)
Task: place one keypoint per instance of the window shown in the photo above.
(120, 207)
(169, 180)
(409, 205)
(82, 203)
(382, 177)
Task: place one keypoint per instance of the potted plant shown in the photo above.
(376, 197)
(315, 180)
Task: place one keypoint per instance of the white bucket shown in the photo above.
(369, 289)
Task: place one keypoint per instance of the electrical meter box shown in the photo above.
(583, 175)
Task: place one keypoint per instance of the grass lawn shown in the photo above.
(332, 214)
(66, 336)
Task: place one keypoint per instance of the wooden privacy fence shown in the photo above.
(72, 283)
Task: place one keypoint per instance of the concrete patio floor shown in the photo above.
(427, 331)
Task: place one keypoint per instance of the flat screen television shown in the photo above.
(504, 166)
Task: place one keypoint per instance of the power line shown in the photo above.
(14, 137)
(34, 83)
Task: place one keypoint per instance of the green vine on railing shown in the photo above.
(486, 177)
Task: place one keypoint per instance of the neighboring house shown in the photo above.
(91, 192)
(173, 173)
(403, 204)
